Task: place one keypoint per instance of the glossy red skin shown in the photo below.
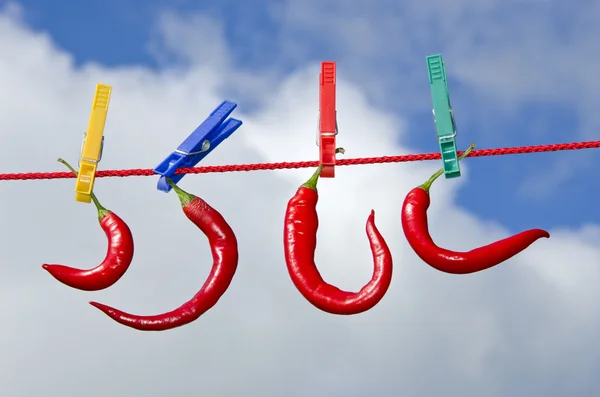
(300, 242)
(118, 258)
(223, 245)
(416, 230)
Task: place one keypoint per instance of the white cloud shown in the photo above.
(513, 330)
(196, 38)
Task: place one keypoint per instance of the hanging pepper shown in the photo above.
(300, 242)
(118, 256)
(416, 230)
(223, 245)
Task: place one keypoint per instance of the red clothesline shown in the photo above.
(308, 164)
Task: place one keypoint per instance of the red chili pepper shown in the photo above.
(300, 242)
(118, 256)
(223, 245)
(416, 230)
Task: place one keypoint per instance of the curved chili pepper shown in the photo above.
(416, 230)
(300, 242)
(223, 246)
(118, 256)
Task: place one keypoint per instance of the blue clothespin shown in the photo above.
(214, 130)
(443, 116)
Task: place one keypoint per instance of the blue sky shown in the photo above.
(117, 33)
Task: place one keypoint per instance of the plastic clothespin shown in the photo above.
(327, 119)
(443, 116)
(214, 130)
(93, 144)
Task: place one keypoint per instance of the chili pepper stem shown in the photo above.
(427, 185)
(184, 197)
(312, 182)
(102, 212)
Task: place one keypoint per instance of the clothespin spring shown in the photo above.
(87, 159)
(451, 136)
(205, 147)
(319, 134)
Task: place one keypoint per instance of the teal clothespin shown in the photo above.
(442, 115)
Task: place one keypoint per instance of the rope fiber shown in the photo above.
(306, 164)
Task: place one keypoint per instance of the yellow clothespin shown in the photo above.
(93, 143)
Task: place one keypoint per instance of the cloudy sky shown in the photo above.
(522, 72)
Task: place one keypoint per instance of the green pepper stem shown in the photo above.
(184, 197)
(427, 185)
(312, 182)
(102, 212)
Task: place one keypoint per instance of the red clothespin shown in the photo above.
(327, 119)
